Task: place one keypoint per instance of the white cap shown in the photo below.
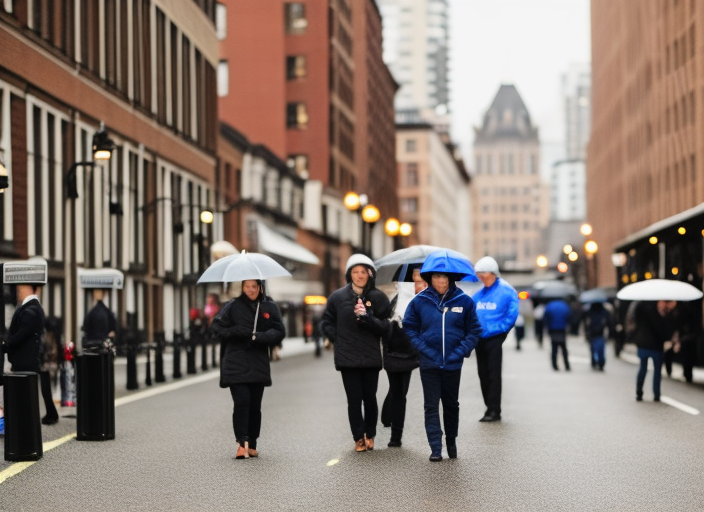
(359, 259)
(487, 264)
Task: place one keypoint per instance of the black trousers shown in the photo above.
(489, 357)
(558, 340)
(45, 384)
(247, 412)
(360, 386)
(393, 412)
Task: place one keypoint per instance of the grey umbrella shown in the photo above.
(546, 290)
(388, 266)
(243, 266)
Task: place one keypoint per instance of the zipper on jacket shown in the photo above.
(443, 334)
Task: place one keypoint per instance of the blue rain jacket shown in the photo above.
(557, 315)
(497, 308)
(444, 329)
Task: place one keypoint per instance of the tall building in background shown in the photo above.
(512, 203)
(645, 180)
(576, 92)
(416, 48)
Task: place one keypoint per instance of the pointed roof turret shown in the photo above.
(507, 118)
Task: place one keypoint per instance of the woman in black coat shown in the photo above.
(247, 326)
(355, 319)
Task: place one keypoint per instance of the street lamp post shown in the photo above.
(396, 229)
(370, 216)
(102, 151)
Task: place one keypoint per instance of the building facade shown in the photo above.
(434, 191)
(512, 202)
(307, 81)
(416, 48)
(147, 70)
(645, 180)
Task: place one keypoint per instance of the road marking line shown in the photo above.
(578, 359)
(166, 388)
(332, 462)
(629, 358)
(18, 467)
(679, 405)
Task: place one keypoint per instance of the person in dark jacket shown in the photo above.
(247, 326)
(99, 324)
(557, 321)
(598, 327)
(23, 342)
(355, 319)
(652, 328)
(442, 323)
(400, 359)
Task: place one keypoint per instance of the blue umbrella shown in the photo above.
(454, 264)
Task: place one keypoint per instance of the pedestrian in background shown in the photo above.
(23, 341)
(442, 323)
(497, 309)
(248, 326)
(99, 324)
(400, 359)
(557, 321)
(538, 312)
(689, 330)
(520, 328)
(355, 318)
(651, 328)
(598, 324)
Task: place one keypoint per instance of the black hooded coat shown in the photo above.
(245, 356)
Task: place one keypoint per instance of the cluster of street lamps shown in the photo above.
(590, 248)
(359, 204)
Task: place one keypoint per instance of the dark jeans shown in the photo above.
(657, 357)
(45, 384)
(360, 387)
(247, 413)
(489, 356)
(559, 341)
(539, 331)
(598, 346)
(440, 385)
(393, 412)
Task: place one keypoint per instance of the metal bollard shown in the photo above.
(95, 396)
(149, 364)
(23, 431)
(159, 357)
(215, 354)
(178, 341)
(191, 355)
(204, 354)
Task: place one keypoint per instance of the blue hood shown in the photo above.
(452, 263)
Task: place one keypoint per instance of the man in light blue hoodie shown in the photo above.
(497, 309)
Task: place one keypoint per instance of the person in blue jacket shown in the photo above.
(497, 309)
(557, 320)
(441, 322)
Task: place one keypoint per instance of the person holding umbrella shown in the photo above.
(497, 309)
(248, 326)
(442, 323)
(355, 319)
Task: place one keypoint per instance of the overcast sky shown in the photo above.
(529, 43)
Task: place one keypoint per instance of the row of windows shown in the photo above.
(512, 226)
(508, 164)
(676, 53)
(503, 208)
(508, 191)
(175, 83)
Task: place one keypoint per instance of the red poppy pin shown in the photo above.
(266, 315)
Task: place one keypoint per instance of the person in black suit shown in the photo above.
(24, 341)
(99, 324)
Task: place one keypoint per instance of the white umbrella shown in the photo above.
(243, 266)
(659, 289)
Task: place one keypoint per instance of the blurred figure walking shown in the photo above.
(598, 326)
(557, 320)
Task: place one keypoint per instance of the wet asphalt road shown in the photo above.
(568, 441)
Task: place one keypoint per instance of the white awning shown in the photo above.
(276, 243)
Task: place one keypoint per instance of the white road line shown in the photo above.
(679, 405)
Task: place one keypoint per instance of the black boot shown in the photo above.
(396, 434)
(451, 447)
(52, 415)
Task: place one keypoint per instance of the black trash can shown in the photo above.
(23, 430)
(95, 396)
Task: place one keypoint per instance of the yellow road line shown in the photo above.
(18, 467)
